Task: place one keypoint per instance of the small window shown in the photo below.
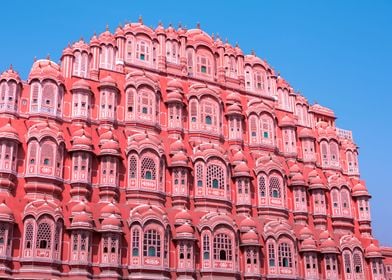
(271, 262)
(208, 120)
(275, 194)
(142, 56)
(130, 109)
(253, 133)
(215, 183)
(265, 134)
(144, 110)
(199, 183)
(148, 175)
(46, 161)
(203, 69)
(151, 251)
(193, 119)
(47, 102)
(135, 252)
(206, 255)
(285, 262)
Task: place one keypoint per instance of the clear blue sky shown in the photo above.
(338, 53)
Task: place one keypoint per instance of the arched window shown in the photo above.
(135, 242)
(222, 247)
(208, 120)
(357, 262)
(148, 169)
(29, 231)
(345, 202)
(215, 177)
(267, 129)
(262, 187)
(143, 49)
(347, 262)
(152, 243)
(171, 51)
(204, 64)
(324, 153)
(253, 129)
(271, 254)
(47, 153)
(274, 187)
(193, 105)
(248, 78)
(284, 252)
(206, 247)
(80, 64)
(334, 153)
(44, 236)
(210, 114)
(335, 197)
(129, 50)
(107, 57)
(132, 167)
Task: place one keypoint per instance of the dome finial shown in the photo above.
(179, 25)
(253, 52)
(35, 58)
(198, 25)
(11, 67)
(107, 27)
(140, 20)
(48, 56)
(160, 23)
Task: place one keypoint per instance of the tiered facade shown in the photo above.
(168, 154)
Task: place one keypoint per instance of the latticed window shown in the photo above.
(274, 187)
(262, 187)
(44, 236)
(135, 242)
(47, 154)
(3, 229)
(152, 244)
(215, 177)
(222, 247)
(334, 151)
(271, 254)
(347, 262)
(284, 252)
(29, 236)
(206, 247)
(132, 167)
(148, 169)
(199, 175)
(143, 51)
(357, 262)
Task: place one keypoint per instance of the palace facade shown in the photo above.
(169, 154)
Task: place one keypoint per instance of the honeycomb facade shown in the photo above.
(169, 154)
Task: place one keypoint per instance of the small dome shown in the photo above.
(119, 32)
(107, 38)
(111, 223)
(10, 74)
(183, 216)
(250, 237)
(328, 246)
(247, 223)
(233, 97)
(241, 170)
(239, 157)
(373, 251)
(174, 84)
(316, 183)
(160, 29)
(8, 131)
(360, 190)
(81, 84)
(82, 220)
(81, 141)
(294, 169)
(305, 232)
(6, 214)
(45, 68)
(110, 208)
(298, 180)
(287, 121)
(185, 229)
(234, 109)
(81, 207)
(108, 81)
(174, 96)
(306, 133)
(324, 235)
(308, 245)
(177, 145)
(331, 131)
(179, 159)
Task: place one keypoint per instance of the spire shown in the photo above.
(198, 25)
(140, 20)
(107, 27)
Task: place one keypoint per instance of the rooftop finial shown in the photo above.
(107, 27)
(226, 40)
(253, 52)
(198, 25)
(170, 25)
(213, 36)
(35, 58)
(48, 56)
(11, 68)
(179, 25)
(140, 20)
(159, 22)
(236, 44)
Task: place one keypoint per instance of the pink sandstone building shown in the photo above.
(169, 154)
